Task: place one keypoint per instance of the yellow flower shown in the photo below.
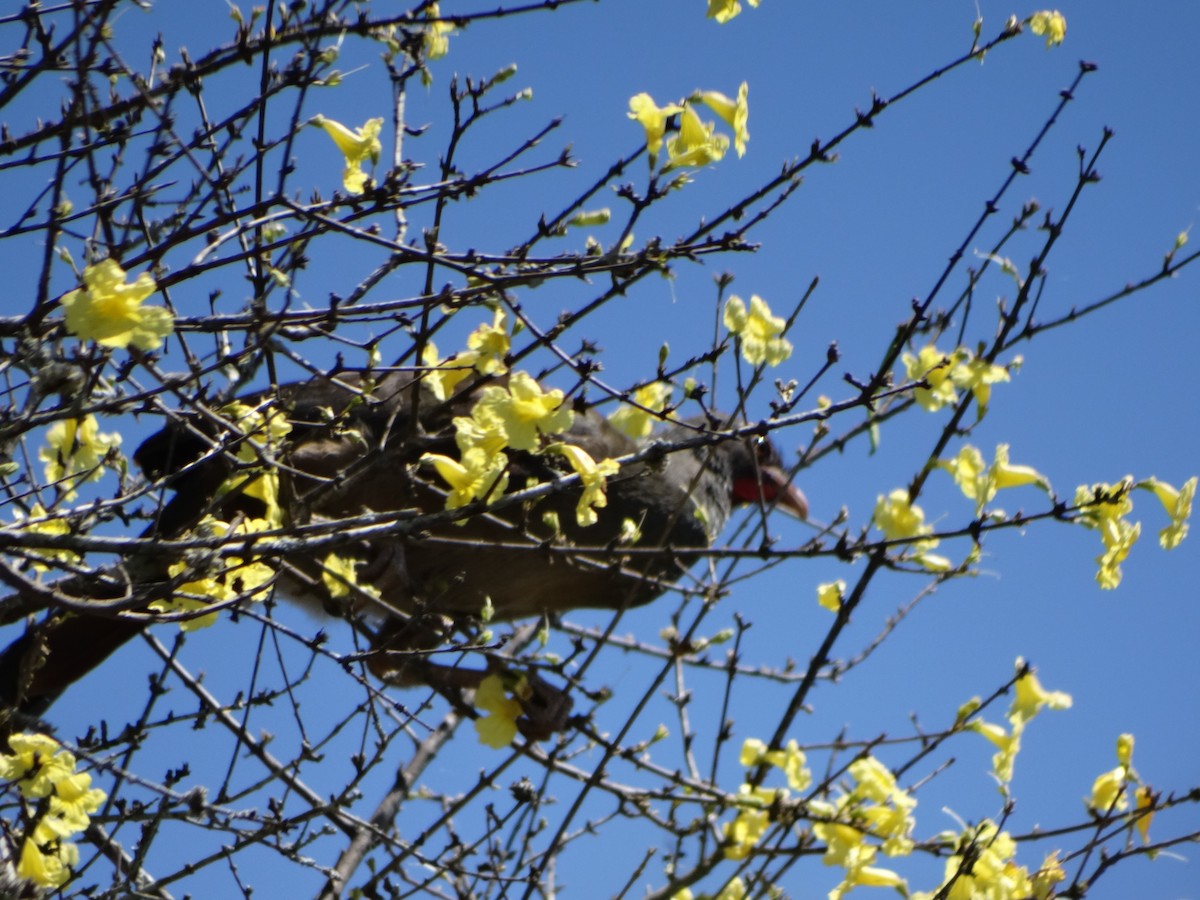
(445, 375)
(697, 144)
(43, 769)
(830, 595)
(1145, 799)
(935, 368)
(759, 331)
(899, 520)
(48, 867)
(36, 764)
(236, 577)
(653, 118)
(525, 411)
(592, 475)
(110, 312)
(791, 760)
(499, 727)
(1125, 749)
(1050, 23)
(638, 421)
(992, 872)
(356, 147)
(1107, 517)
(1108, 791)
(1030, 698)
(41, 522)
(479, 474)
(75, 452)
(1178, 504)
(338, 575)
(752, 820)
(437, 35)
(736, 113)
(490, 344)
(1008, 746)
(977, 376)
(724, 10)
(1045, 878)
(734, 889)
(981, 484)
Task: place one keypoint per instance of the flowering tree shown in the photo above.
(194, 234)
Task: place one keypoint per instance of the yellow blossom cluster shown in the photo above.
(1051, 24)
(75, 452)
(696, 143)
(755, 803)
(948, 373)
(979, 480)
(58, 804)
(901, 520)
(1104, 507)
(518, 415)
(233, 578)
(110, 312)
(1029, 698)
(1110, 789)
(261, 430)
(759, 332)
(984, 865)
(876, 815)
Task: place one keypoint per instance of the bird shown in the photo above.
(358, 443)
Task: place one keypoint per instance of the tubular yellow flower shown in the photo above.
(437, 35)
(110, 312)
(593, 475)
(499, 727)
(653, 119)
(1107, 517)
(1007, 745)
(760, 331)
(1030, 698)
(736, 113)
(981, 484)
(697, 143)
(1050, 23)
(478, 475)
(1144, 798)
(1178, 504)
(638, 421)
(356, 146)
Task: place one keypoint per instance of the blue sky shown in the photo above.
(1108, 396)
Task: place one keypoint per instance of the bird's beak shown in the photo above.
(774, 487)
